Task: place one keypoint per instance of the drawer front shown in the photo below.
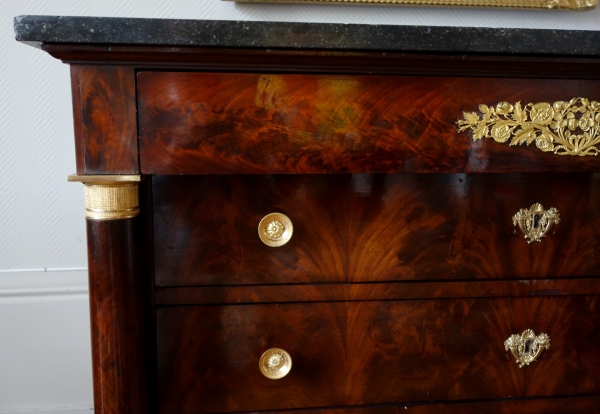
(224, 123)
(361, 353)
(372, 227)
(208, 357)
(564, 405)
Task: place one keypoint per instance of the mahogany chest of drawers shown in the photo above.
(301, 218)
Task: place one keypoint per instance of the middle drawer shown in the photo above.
(372, 227)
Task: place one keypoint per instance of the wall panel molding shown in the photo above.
(43, 285)
(45, 351)
(87, 409)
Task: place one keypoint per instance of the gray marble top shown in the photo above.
(39, 30)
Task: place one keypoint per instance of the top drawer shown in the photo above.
(222, 123)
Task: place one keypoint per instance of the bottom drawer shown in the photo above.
(563, 405)
(373, 352)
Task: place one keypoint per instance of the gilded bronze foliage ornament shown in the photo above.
(528, 4)
(535, 221)
(527, 347)
(564, 128)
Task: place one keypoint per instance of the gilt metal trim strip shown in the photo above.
(563, 128)
(580, 5)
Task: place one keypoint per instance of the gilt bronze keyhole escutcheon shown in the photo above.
(535, 222)
(527, 347)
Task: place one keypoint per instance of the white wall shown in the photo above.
(44, 343)
(44, 338)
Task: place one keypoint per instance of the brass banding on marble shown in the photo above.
(110, 197)
(519, 4)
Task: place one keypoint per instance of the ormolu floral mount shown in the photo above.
(565, 128)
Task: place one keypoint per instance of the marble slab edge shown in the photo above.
(39, 30)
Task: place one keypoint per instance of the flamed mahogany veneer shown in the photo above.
(371, 352)
(221, 123)
(371, 228)
(419, 268)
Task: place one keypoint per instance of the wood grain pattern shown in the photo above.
(225, 123)
(366, 228)
(104, 106)
(208, 357)
(330, 61)
(394, 288)
(331, 292)
(563, 405)
(146, 265)
(117, 318)
(373, 352)
(77, 119)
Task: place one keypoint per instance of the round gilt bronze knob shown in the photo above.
(275, 363)
(275, 229)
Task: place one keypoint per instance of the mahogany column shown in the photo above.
(106, 144)
(117, 299)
